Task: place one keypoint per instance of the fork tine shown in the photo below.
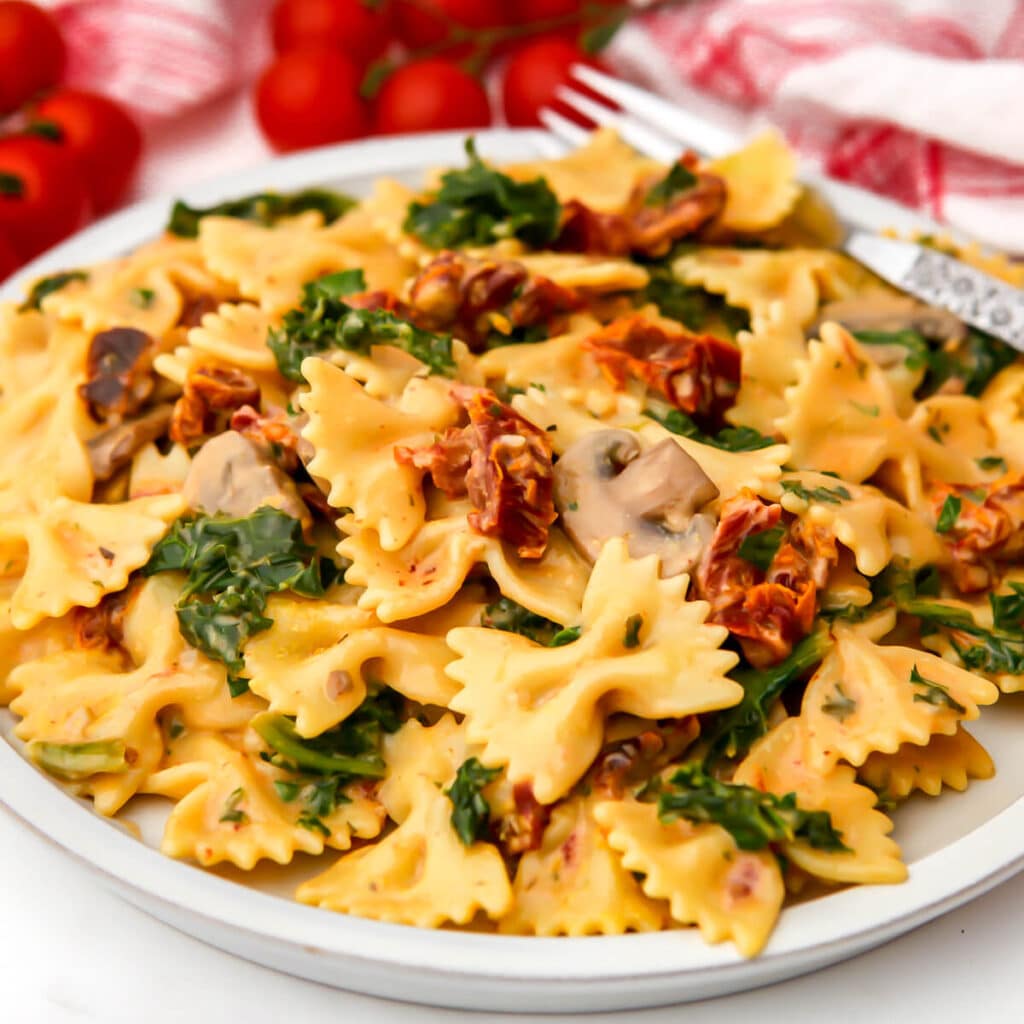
(638, 135)
(668, 119)
(561, 127)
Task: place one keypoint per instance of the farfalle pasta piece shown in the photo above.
(642, 649)
(35, 348)
(269, 265)
(757, 279)
(771, 350)
(842, 415)
(602, 173)
(355, 437)
(315, 661)
(595, 274)
(18, 646)
(778, 763)
(728, 893)
(428, 571)
(228, 808)
(1003, 405)
(77, 551)
(236, 335)
(420, 874)
(760, 184)
(575, 884)
(944, 762)
(866, 698)
(96, 696)
(875, 527)
(731, 472)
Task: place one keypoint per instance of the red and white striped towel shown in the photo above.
(917, 99)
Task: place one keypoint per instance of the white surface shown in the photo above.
(68, 948)
(71, 953)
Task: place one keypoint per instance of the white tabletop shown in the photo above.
(72, 953)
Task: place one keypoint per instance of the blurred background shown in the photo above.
(104, 101)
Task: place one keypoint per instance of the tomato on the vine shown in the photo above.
(310, 98)
(431, 95)
(429, 22)
(99, 134)
(352, 26)
(31, 53)
(9, 261)
(533, 74)
(42, 196)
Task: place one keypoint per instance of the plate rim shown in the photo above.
(805, 933)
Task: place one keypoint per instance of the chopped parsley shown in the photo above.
(479, 205)
(264, 208)
(48, 285)
(143, 298)
(822, 495)
(470, 811)
(918, 352)
(754, 819)
(324, 321)
(730, 439)
(232, 812)
(633, 626)
(507, 615)
(992, 462)
(760, 548)
(949, 514)
(678, 179)
(569, 635)
(839, 705)
(866, 410)
(690, 305)
(934, 693)
(1008, 609)
(233, 565)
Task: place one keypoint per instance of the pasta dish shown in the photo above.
(572, 547)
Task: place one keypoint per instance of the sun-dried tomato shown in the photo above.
(277, 433)
(119, 375)
(476, 298)
(523, 829)
(986, 532)
(768, 610)
(193, 309)
(647, 230)
(380, 299)
(211, 394)
(697, 373)
(102, 627)
(502, 462)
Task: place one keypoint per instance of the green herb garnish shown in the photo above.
(935, 693)
(678, 179)
(992, 462)
(759, 548)
(143, 298)
(479, 205)
(735, 730)
(949, 514)
(569, 635)
(918, 353)
(823, 495)
(839, 705)
(263, 208)
(324, 321)
(232, 813)
(754, 819)
(74, 761)
(507, 615)
(470, 810)
(233, 566)
(730, 439)
(48, 285)
(632, 636)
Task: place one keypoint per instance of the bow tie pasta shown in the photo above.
(579, 547)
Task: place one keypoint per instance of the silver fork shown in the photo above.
(660, 129)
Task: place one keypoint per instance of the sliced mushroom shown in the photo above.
(606, 487)
(230, 474)
(884, 312)
(112, 449)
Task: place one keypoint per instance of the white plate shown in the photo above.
(957, 846)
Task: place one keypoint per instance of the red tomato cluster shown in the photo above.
(431, 55)
(73, 153)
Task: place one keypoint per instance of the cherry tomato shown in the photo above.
(31, 53)
(533, 74)
(99, 135)
(353, 26)
(9, 261)
(310, 98)
(419, 25)
(431, 95)
(42, 196)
